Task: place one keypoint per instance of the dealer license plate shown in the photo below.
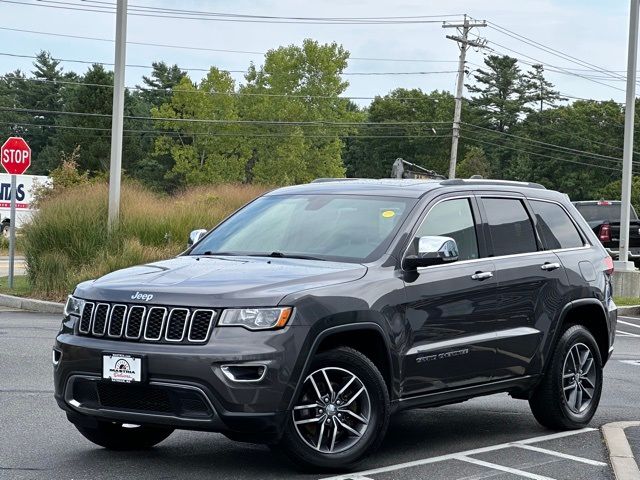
(122, 368)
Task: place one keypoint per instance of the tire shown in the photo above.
(371, 404)
(114, 436)
(559, 403)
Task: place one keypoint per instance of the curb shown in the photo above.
(622, 460)
(632, 311)
(31, 304)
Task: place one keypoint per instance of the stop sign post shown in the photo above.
(15, 156)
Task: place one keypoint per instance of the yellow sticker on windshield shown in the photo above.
(388, 213)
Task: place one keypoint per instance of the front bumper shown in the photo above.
(189, 374)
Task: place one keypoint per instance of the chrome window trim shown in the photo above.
(571, 219)
(146, 323)
(106, 319)
(193, 315)
(142, 322)
(184, 329)
(124, 320)
(84, 305)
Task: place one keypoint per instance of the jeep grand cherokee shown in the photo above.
(308, 317)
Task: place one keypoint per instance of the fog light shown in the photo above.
(244, 373)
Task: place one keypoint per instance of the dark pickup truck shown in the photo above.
(603, 217)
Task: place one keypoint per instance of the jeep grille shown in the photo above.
(146, 323)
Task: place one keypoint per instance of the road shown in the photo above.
(491, 437)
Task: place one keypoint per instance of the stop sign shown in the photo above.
(15, 156)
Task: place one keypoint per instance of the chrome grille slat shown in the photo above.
(100, 318)
(155, 323)
(117, 321)
(200, 326)
(147, 323)
(135, 322)
(177, 324)
(85, 318)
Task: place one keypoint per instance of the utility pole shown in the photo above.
(464, 43)
(623, 263)
(117, 119)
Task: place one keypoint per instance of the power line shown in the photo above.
(545, 144)
(91, 62)
(221, 134)
(540, 154)
(235, 18)
(553, 51)
(207, 49)
(217, 121)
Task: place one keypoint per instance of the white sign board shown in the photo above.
(24, 198)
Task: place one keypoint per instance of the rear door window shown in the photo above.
(510, 226)
(555, 227)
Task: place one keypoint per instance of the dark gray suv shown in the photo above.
(308, 317)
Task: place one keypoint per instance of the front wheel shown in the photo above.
(117, 436)
(569, 393)
(341, 413)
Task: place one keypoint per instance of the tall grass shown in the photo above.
(67, 240)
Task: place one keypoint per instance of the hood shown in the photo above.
(204, 281)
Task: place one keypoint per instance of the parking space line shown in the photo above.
(495, 466)
(627, 334)
(628, 323)
(457, 455)
(561, 455)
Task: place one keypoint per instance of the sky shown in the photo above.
(590, 30)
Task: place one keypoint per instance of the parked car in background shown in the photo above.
(603, 216)
(308, 317)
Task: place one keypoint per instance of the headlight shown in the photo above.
(73, 306)
(256, 318)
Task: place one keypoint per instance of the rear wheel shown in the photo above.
(341, 413)
(118, 436)
(569, 394)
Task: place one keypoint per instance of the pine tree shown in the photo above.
(539, 90)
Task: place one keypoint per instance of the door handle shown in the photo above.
(550, 266)
(481, 275)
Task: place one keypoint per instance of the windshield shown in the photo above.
(328, 227)
(609, 212)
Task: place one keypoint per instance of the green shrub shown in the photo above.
(67, 240)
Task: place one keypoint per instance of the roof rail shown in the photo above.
(473, 181)
(328, 179)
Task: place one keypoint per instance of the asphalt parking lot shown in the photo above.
(491, 437)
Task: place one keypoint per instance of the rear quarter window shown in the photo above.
(555, 227)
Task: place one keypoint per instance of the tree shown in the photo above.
(539, 90)
(159, 84)
(209, 150)
(474, 163)
(301, 85)
(425, 144)
(501, 92)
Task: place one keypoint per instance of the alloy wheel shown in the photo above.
(333, 411)
(579, 378)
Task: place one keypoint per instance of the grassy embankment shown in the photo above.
(67, 242)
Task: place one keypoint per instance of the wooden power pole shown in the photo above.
(464, 43)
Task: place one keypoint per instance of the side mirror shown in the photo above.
(433, 250)
(196, 235)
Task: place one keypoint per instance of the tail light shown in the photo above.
(604, 234)
(608, 265)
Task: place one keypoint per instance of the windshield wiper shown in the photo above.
(285, 255)
(222, 254)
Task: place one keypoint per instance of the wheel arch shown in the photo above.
(590, 313)
(367, 337)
